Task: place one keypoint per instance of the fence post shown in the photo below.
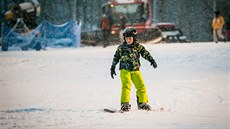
(2, 33)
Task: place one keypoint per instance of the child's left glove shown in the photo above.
(153, 63)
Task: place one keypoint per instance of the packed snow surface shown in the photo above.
(68, 88)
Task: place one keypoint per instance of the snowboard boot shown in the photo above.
(143, 106)
(125, 107)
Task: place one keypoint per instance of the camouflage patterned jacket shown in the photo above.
(129, 56)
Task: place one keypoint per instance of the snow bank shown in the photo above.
(68, 88)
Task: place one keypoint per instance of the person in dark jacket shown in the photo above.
(128, 55)
(105, 27)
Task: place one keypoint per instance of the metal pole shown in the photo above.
(74, 10)
(2, 33)
(154, 11)
(214, 5)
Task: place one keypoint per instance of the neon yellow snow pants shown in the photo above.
(136, 77)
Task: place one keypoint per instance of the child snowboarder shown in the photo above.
(128, 54)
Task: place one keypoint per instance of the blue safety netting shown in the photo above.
(46, 34)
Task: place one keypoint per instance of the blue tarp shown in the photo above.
(47, 34)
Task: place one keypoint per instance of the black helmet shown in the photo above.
(129, 32)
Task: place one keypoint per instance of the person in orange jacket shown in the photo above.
(217, 25)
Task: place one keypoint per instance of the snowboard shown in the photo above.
(112, 111)
(120, 111)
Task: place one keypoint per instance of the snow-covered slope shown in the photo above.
(68, 88)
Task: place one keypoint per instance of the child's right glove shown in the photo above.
(153, 63)
(112, 71)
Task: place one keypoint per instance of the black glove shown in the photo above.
(112, 72)
(153, 63)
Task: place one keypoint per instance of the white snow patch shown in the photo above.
(68, 88)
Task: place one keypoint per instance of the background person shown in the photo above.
(217, 25)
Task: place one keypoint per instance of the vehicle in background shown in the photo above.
(170, 33)
(228, 28)
(228, 35)
(138, 14)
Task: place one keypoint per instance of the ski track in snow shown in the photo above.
(68, 88)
